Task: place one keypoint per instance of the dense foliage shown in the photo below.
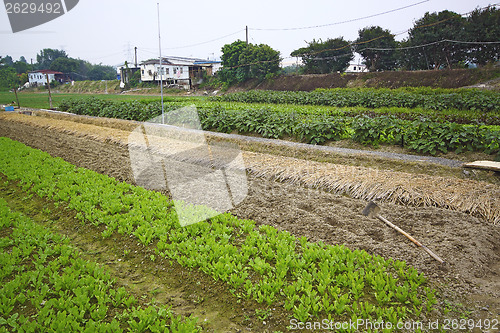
(57, 60)
(484, 26)
(8, 78)
(46, 286)
(322, 57)
(313, 125)
(432, 30)
(436, 40)
(242, 61)
(311, 280)
(377, 46)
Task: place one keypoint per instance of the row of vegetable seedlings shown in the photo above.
(46, 286)
(311, 280)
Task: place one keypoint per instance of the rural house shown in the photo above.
(356, 68)
(124, 73)
(184, 72)
(39, 78)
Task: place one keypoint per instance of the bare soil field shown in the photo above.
(299, 203)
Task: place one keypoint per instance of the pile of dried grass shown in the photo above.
(472, 197)
(476, 198)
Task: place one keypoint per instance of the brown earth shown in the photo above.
(469, 245)
(455, 78)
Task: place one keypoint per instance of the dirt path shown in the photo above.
(468, 244)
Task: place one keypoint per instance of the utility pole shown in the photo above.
(135, 48)
(161, 68)
(246, 29)
(17, 98)
(48, 86)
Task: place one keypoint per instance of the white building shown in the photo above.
(356, 68)
(39, 78)
(184, 72)
(124, 73)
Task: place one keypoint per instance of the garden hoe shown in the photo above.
(373, 210)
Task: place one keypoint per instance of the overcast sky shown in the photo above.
(106, 31)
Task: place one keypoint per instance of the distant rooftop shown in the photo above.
(46, 71)
(179, 61)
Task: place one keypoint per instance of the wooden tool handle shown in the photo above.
(381, 218)
(432, 254)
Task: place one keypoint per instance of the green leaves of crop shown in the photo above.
(269, 266)
(427, 98)
(68, 294)
(425, 136)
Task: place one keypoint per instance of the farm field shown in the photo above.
(424, 121)
(281, 197)
(40, 100)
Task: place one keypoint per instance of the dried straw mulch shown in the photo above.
(479, 199)
(476, 198)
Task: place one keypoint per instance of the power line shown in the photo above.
(368, 48)
(428, 44)
(209, 41)
(409, 47)
(341, 22)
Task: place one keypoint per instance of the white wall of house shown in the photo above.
(150, 72)
(356, 68)
(40, 78)
(216, 66)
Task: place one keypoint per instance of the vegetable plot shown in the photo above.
(427, 98)
(47, 287)
(311, 280)
(314, 125)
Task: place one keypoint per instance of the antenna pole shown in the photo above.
(161, 67)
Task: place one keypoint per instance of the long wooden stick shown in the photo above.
(50, 95)
(17, 98)
(381, 218)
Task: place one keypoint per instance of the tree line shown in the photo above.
(15, 73)
(436, 41)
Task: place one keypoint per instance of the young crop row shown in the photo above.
(146, 109)
(45, 286)
(311, 280)
(426, 98)
(311, 125)
(422, 136)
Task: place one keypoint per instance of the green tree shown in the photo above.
(21, 67)
(330, 56)
(23, 78)
(484, 26)
(7, 60)
(100, 72)
(135, 79)
(65, 65)
(47, 56)
(260, 61)
(370, 41)
(8, 78)
(230, 61)
(426, 45)
(242, 61)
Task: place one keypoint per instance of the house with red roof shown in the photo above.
(39, 77)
